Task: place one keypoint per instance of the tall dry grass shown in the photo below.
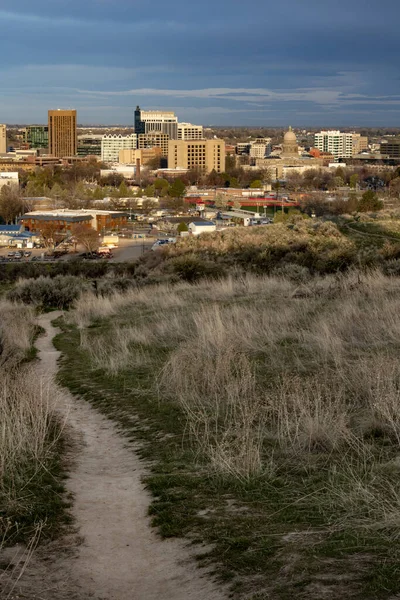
(263, 365)
(17, 329)
(28, 427)
(26, 410)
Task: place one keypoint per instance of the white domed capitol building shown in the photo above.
(290, 148)
(289, 159)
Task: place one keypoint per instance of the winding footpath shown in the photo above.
(120, 557)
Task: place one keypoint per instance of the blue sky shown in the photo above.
(220, 62)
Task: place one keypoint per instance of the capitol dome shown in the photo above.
(290, 137)
(290, 148)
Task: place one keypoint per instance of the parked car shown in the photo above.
(11, 254)
(160, 243)
(18, 255)
(27, 253)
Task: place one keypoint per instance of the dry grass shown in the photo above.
(17, 328)
(26, 408)
(260, 360)
(314, 234)
(277, 419)
(29, 430)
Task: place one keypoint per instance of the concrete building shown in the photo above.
(62, 133)
(127, 171)
(112, 144)
(360, 143)
(337, 143)
(154, 140)
(204, 154)
(243, 148)
(391, 148)
(260, 148)
(162, 121)
(9, 178)
(144, 156)
(37, 136)
(3, 139)
(187, 131)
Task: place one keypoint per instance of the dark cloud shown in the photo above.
(335, 63)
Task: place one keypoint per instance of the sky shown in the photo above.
(214, 62)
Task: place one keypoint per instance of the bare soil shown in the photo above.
(115, 554)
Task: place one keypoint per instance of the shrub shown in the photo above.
(369, 202)
(47, 292)
(294, 272)
(191, 268)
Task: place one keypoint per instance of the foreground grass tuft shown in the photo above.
(32, 501)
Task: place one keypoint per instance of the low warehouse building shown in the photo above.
(61, 221)
(197, 227)
(64, 220)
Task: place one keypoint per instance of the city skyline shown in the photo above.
(220, 63)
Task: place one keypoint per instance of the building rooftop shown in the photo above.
(65, 212)
(203, 223)
(10, 228)
(37, 216)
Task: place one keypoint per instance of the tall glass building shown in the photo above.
(37, 136)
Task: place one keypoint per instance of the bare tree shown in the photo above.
(88, 237)
(49, 232)
(11, 205)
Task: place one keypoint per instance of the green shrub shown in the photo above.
(110, 285)
(192, 268)
(47, 292)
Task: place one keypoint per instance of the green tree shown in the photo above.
(257, 183)
(177, 189)
(369, 202)
(161, 186)
(182, 227)
(353, 181)
(149, 190)
(124, 191)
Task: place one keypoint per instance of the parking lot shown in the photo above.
(128, 250)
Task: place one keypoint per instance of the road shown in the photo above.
(129, 250)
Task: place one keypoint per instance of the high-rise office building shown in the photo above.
(89, 145)
(37, 136)
(162, 121)
(204, 154)
(139, 126)
(62, 133)
(112, 144)
(3, 139)
(154, 140)
(335, 142)
(187, 131)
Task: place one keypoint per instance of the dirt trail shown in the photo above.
(121, 557)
